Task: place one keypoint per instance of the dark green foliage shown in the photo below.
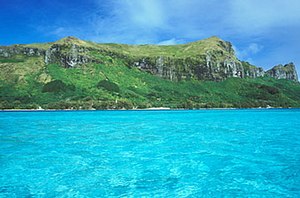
(269, 89)
(57, 86)
(108, 85)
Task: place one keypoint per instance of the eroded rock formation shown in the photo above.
(66, 55)
(287, 71)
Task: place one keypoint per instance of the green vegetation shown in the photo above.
(54, 87)
(57, 86)
(179, 51)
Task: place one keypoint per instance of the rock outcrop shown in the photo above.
(11, 51)
(251, 71)
(67, 55)
(287, 71)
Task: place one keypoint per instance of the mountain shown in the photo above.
(72, 73)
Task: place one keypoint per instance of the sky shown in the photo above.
(263, 32)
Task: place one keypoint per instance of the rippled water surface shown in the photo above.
(205, 153)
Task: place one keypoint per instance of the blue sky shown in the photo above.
(263, 32)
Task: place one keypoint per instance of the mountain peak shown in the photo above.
(214, 38)
(70, 40)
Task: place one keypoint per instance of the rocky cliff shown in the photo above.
(209, 59)
(67, 55)
(287, 71)
(11, 51)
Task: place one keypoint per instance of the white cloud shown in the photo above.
(127, 22)
(59, 31)
(172, 41)
(254, 17)
(150, 21)
(146, 13)
(254, 48)
(248, 52)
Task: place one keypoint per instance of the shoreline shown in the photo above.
(146, 109)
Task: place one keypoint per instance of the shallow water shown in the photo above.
(205, 153)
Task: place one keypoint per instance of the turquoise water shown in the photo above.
(205, 153)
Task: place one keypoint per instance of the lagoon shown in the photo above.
(165, 153)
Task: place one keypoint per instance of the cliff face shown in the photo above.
(201, 68)
(251, 71)
(66, 55)
(210, 59)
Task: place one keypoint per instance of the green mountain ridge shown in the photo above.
(76, 74)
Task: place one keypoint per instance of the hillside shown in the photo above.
(76, 74)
